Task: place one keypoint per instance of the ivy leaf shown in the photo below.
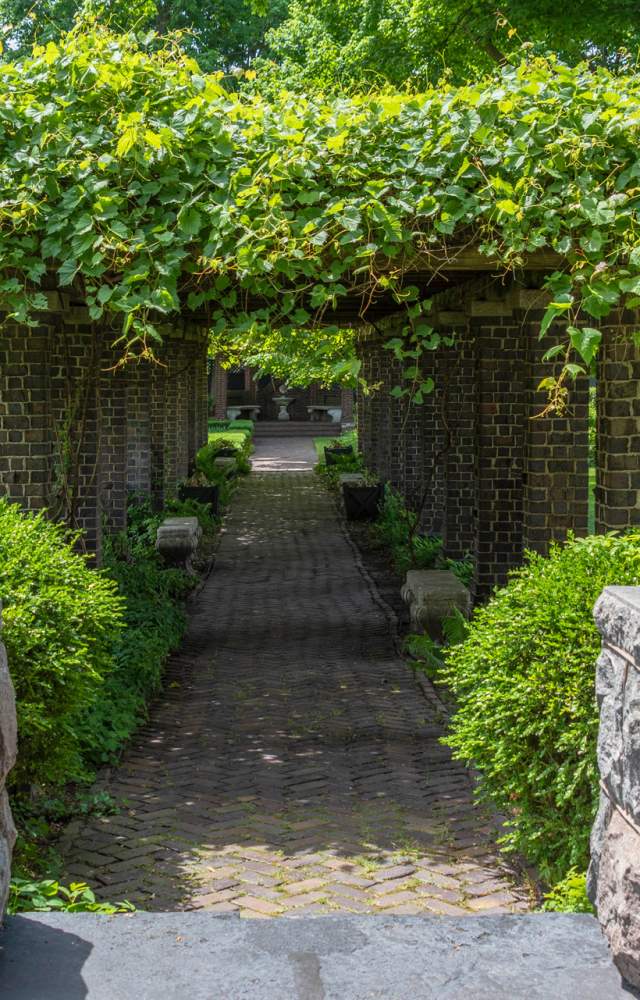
(585, 342)
(190, 221)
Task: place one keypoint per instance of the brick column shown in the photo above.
(26, 432)
(556, 498)
(220, 391)
(501, 437)
(347, 406)
(139, 418)
(456, 375)
(113, 456)
(618, 444)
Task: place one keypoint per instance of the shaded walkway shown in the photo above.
(291, 766)
(282, 454)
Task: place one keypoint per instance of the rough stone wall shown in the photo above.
(69, 414)
(614, 874)
(8, 747)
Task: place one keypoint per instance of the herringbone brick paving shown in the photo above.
(292, 766)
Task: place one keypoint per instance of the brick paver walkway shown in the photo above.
(291, 766)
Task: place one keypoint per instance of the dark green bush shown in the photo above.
(524, 687)
(154, 624)
(396, 528)
(61, 622)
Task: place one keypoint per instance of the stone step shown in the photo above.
(296, 428)
(201, 956)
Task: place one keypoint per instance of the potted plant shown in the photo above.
(335, 451)
(362, 497)
(197, 487)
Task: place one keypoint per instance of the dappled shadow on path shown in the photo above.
(291, 765)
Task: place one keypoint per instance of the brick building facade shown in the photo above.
(77, 434)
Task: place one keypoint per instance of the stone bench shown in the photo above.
(251, 411)
(316, 413)
(177, 540)
(432, 595)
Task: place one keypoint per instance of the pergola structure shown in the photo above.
(495, 476)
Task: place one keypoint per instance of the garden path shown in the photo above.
(291, 766)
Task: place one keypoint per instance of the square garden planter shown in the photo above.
(203, 494)
(333, 455)
(361, 502)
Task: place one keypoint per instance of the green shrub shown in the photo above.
(569, 895)
(247, 426)
(30, 896)
(61, 621)
(395, 528)
(154, 624)
(524, 687)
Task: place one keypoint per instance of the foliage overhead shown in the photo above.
(144, 186)
(366, 43)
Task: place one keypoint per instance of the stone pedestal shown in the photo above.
(177, 541)
(8, 746)
(614, 874)
(432, 596)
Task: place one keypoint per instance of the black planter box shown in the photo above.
(203, 494)
(333, 455)
(226, 453)
(362, 503)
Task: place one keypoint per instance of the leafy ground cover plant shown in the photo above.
(569, 895)
(62, 621)
(33, 896)
(154, 620)
(523, 682)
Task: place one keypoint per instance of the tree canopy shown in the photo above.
(222, 34)
(368, 43)
(140, 182)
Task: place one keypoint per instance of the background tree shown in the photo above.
(221, 34)
(364, 43)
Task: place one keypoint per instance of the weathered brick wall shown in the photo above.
(78, 432)
(618, 429)
(556, 489)
(26, 435)
(496, 479)
(614, 874)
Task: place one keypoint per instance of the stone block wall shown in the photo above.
(614, 874)
(69, 414)
(8, 748)
(509, 478)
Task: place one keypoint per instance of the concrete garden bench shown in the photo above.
(432, 595)
(320, 413)
(177, 540)
(248, 412)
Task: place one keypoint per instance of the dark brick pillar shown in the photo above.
(113, 454)
(457, 378)
(138, 420)
(618, 445)
(501, 438)
(26, 433)
(220, 391)
(347, 406)
(556, 497)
